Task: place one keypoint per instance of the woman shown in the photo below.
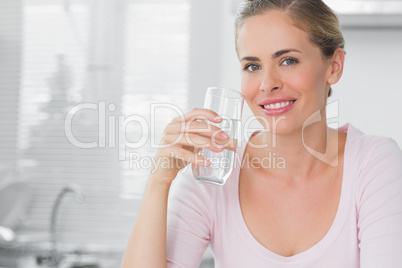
(337, 201)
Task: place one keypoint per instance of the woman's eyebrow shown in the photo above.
(283, 51)
(275, 55)
(248, 58)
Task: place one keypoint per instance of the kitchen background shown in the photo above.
(77, 81)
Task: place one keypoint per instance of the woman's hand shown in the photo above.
(183, 138)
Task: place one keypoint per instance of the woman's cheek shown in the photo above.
(244, 88)
(249, 86)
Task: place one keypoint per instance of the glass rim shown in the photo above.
(241, 95)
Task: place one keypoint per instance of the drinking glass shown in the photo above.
(228, 104)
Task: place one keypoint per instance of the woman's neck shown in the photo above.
(303, 152)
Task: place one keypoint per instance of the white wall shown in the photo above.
(205, 45)
(370, 90)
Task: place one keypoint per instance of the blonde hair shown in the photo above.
(312, 16)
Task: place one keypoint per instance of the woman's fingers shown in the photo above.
(184, 157)
(200, 127)
(192, 141)
(198, 114)
(185, 136)
(229, 144)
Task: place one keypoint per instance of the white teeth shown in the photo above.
(278, 105)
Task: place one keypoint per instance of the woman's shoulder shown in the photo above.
(367, 145)
(372, 158)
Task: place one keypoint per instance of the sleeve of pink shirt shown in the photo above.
(379, 206)
(189, 221)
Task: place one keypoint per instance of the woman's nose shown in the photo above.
(271, 81)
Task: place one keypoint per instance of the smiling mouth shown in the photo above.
(278, 105)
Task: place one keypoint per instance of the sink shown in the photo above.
(70, 260)
(71, 256)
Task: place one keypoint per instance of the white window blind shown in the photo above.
(10, 76)
(119, 57)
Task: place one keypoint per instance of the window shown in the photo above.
(108, 60)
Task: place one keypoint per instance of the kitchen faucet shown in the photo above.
(53, 259)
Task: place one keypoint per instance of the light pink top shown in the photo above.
(366, 232)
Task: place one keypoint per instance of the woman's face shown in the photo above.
(281, 68)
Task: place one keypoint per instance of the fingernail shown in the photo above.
(219, 146)
(207, 162)
(224, 135)
(217, 118)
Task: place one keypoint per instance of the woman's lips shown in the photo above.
(278, 108)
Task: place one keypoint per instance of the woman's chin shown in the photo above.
(280, 126)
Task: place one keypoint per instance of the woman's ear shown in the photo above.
(336, 66)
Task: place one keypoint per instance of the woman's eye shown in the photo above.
(289, 61)
(252, 68)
